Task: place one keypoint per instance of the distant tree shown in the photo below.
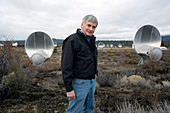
(162, 43)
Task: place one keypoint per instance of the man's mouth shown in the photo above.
(89, 32)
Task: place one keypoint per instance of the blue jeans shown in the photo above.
(84, 101)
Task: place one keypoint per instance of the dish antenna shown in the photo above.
(39, 47)
(120, 45)
(107, 45)
(15, 44)
(147, 43)
(101, 45)
(111, 45)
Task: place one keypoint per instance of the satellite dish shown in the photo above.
(107, 45)
(163, 48)
(1, 45)
(101, 45)
(155, 54)
(147, 43)
(39, 47)
(15, 44)
(120, 45)
(111, 45)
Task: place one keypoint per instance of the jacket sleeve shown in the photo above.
(67, 63)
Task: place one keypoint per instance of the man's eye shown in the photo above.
(89, 25)
(94, 27)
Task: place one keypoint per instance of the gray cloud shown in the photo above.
(60, 18)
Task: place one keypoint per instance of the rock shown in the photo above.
(138, 80)
(166, 84)
(158, 86)
(134, 79)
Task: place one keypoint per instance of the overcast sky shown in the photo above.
(118, 19)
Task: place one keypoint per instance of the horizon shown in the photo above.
(97, 39)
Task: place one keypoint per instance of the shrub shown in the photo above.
(111, 51)
(154, 67)
(168, 70)
(11, 71)
(168, 60)
(55, 50)
(129, 54)
(19, 77)
(109, 79)
(5, 60)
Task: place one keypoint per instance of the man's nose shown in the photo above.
(91, 28)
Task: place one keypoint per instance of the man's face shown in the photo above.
(88, 28)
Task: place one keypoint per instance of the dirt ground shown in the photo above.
(120, 80)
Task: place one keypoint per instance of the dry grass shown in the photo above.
(115, 66)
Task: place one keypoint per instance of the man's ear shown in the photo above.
(81, 25)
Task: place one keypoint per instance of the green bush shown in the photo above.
(17, 77)
(11, 72)
(111, 51)
(129, 54)
(168, 60)
(55, 50)
(168, 70)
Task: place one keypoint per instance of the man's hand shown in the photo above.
(71, 95)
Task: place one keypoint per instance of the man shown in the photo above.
(79, 67)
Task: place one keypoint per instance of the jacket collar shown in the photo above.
(83, 35)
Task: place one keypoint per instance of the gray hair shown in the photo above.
(90, 18)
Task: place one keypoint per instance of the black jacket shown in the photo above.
(79, 59)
